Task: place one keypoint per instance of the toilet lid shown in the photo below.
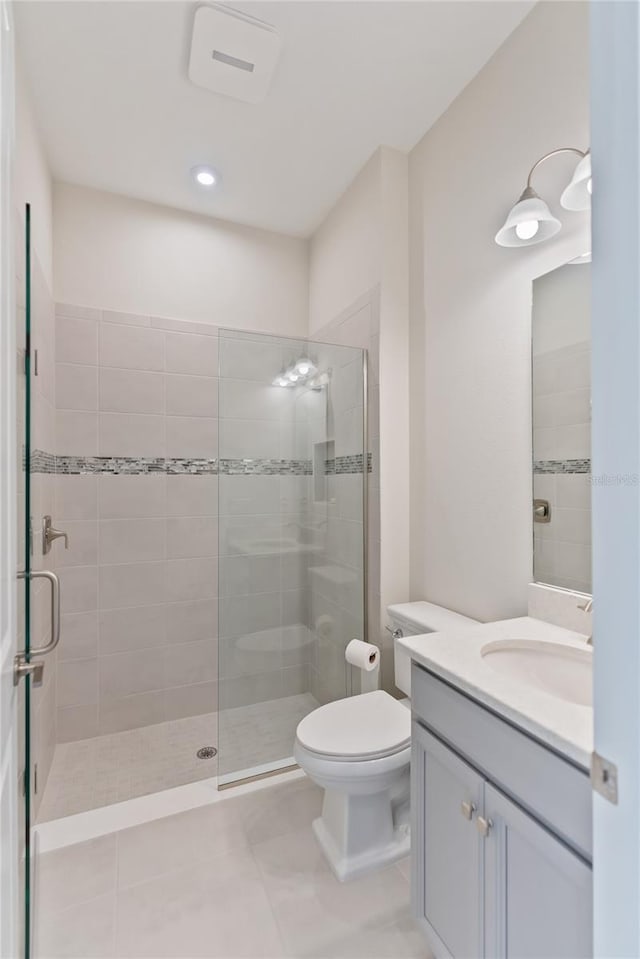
(371, 725)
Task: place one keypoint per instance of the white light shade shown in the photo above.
(577, 196)
(530, 208)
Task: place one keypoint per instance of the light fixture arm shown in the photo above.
(547, 156)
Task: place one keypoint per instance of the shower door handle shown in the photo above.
(22, 667)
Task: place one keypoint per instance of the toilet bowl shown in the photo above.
(359, 751)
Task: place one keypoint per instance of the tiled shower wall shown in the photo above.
(139, 581)
(137, 490)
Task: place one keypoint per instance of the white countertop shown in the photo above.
(455, 656)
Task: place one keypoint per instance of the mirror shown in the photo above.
(561, 403)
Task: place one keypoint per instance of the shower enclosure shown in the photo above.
(292, 496)
(193, 499)
(211, 486)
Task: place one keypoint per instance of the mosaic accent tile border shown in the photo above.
(266, 467)
(562, 466)
(43, 462)
(347, 464)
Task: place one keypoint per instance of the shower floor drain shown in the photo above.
(207, 752)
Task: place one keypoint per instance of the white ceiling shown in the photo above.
(117, 112)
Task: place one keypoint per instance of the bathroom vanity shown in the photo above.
(501, 795)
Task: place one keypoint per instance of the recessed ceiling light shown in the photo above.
(205, 176)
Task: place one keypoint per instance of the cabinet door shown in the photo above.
(538, 896)
(447, 850)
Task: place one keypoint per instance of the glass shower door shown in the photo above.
(38, 593)
(23, 487)
(291, 540)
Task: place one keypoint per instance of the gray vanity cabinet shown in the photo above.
(537, 891)
(495, 875)
(452, 884)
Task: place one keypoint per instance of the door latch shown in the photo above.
(604, 777)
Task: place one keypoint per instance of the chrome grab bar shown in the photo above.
(55, 611)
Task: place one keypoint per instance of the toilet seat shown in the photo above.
(360, 728)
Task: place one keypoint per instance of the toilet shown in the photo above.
(358, 750)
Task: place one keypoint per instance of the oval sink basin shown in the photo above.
(561, 671)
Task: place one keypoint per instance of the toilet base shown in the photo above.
(359, 834)
(350, 867)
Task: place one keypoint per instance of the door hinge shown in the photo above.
(604, 777)
(35, 778)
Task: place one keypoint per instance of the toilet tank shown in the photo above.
(415, 619)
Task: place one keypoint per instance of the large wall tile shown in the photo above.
(249, 439)
(76, 433)
(129, 673)
(76, 340)
(83, 544)
(196, 700)
(189, 536)
(77, 722)
(131, 391)
(76, 497)
(189, 353)
(132, 628)
(128, 497)
(191, 395)
(77, 683)
(132, 540)
(190, 663)
(79, 636)
(131, 348)
(248, 495)
(191, 579)
(195, 436)
(192, 621)
(192, 495)
(136, 584)
(76, 387)
(243, 359)
(131, 434)
(252, 400)
(143, 709)
(78, 588)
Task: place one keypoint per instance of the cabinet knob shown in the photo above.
(483, 826)
(467, 809)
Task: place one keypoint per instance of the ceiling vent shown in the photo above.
(233, 54)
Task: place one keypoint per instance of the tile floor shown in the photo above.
(238, 878)
(97, 772)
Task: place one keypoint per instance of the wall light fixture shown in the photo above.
(530, 220)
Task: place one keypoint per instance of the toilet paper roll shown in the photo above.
(363, 655)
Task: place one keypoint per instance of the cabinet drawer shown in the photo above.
(555, 791)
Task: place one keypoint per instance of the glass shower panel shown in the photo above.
(291, 544)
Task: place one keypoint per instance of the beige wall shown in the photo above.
(345, 249)
(471, 532)
(32, 180)
(112, 252)
(360, 255)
